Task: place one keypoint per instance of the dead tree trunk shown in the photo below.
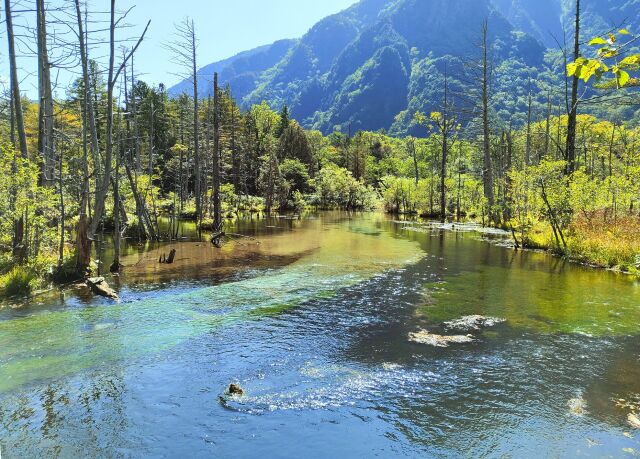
(15, 82)
(487, 174)
(572, 122)
(45, 119)
(196, 124)
(117, 235)
(83, 241)
(18, 238)
(217, 211)
(102, 187)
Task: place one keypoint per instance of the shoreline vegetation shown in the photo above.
(115, 155)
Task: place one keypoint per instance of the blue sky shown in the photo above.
(224, 28)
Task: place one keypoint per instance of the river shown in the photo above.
(312, 316)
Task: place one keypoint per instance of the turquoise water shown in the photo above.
(312, 318)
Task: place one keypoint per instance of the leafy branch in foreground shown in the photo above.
(612, 58)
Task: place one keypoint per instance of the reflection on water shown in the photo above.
(311, 317)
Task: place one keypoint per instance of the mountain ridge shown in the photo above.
(363, 67)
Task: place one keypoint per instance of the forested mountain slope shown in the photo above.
(375, 64)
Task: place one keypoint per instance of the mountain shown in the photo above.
(240, 71)
(545, 19)
(373, 65)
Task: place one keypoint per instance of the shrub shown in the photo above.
(18, 281)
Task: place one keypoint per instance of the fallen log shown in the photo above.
(100, 287)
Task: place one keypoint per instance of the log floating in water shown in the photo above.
(100, 287)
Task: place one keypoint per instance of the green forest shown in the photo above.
(117, 155)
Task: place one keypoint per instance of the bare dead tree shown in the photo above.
(104, 182)
(184, 49)
(16, 99)
(572, 121)
(83, 242)
(45, 119)
(217, 212)
(17, 124)
(487, 174)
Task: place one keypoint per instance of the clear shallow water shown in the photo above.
(312, 320)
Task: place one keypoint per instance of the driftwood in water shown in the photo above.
(168, 260)
(100, 287)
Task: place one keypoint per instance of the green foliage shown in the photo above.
(284, 122)
(609, 60)
(296, 174)
(588, 195)
(19, 281)
(25, 204)
(335, 187)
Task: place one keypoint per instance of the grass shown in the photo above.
(19, 281)
(610, 244)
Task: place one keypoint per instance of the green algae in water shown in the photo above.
(50, 344)
(581, 300)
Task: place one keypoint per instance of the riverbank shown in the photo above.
(612, 245)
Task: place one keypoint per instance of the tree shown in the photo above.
(482, 74)
(446, 124)
(185, 54)
(570, 149)
(283, 124)
(105, 180)
(46, 121)
(18, 245)
(217, 211)
(293, 144)
(83, 241)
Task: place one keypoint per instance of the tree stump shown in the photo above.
(168, 260)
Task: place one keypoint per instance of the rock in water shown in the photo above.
(577, 406)
(633, 421)
(100, 287)
(235, 389)
(474, 322)
(425, 337)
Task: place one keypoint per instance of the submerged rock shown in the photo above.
(633, 421)
(231, 395)
(577, 406)
(474, 322)
(235, 389)
(425, 337)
